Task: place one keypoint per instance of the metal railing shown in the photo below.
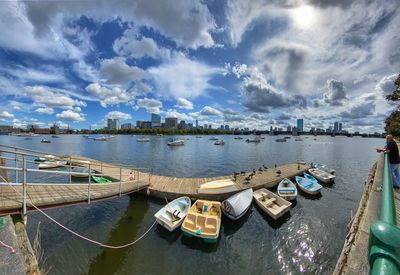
(19, 157)
(384, 238)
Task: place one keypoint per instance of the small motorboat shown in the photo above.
(217, 187)
(176, 142)
(214, 138)
(55, 136)
(98, 179)
(77, 172)
(308, 186)
(311, 178)
(103, 138)
(237, 205)
(203, 221)
(298, 139)
(51, 164)
(322, 175)
(323, 167)
(254, 140)
(287, 190)
(280, 140)
(172, 215)
(237, 138)
(219, 142)
(45, 141)
(143, 140)
(270, 203)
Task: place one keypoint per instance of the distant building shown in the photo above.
(171, 122)
(300, 125)
(42, 131)
(205, 126)
(126, 126)
(340, 127)
(222, 127)
(145, 125)
(294, 131)
(55, 129)
(336, 127)
(155, 120)
(197, 123)
(113, 124)
(182, 124)
(138, 124)
(289, 129)
(5, 129)
(209, 126)
(227, 127)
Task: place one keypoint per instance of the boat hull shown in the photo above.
(322, 176)
(181, 204)
(275, 212)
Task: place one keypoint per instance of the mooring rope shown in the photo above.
(12, 250)
(77, 234)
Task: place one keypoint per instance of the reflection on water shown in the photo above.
(306, 240)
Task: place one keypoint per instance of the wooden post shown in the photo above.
(16, 165)
(24, 217)
(90, 182)
(120, 180)
(101, 166)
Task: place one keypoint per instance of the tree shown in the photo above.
(393, 121)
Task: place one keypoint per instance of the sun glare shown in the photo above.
(303, 17)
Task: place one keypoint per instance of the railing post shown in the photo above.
(101, 166)
(16, 164)
(70, 176)
(120, 180)
(24, 217)
(90, 182)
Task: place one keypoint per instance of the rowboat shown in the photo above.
(176, 142)
(100, 138)
(203, 221)
(219, 142)
(98, 179)
(217, 187)
(237, 205)
(45, 158)
(270, 203)
(51, 164)
(323, 167)
(311, 178)
(77, 172)
(287, 190)
(172, 215)
(45, 141)
(321, 175)
(308, 186)
(143, 140)
(255, 140)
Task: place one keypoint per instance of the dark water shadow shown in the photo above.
(275, 224)
(198, 244)
(109, 261)
(170, 237)
(309, 196)
(231, 226)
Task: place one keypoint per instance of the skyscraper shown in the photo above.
(300, 125)
(336, 127)
(113, 124)
(155, 120)
(171, 122)
(340, 127)
(197, 123)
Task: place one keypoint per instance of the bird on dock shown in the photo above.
(243, 172)
(265, 167)
(260, 169)
(275, 165)
(254, 171)
(248, 178)
(278, 172)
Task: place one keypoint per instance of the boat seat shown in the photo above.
(308, 184)
(286, 192)
(183, 204)
(289, 189)
(175, 213)
(270, 201)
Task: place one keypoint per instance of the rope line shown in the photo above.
(12, 250)
(77, 234)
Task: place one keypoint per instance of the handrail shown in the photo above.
(384, 238)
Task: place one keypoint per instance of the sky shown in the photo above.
(243, 63)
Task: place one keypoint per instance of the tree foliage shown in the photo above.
(393, 121)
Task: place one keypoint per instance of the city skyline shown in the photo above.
(237, 63)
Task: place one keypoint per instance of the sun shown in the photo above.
(303, 17)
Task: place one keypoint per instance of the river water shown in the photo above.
(308, 241)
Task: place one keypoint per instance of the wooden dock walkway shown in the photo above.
(173, 187)
(125, 180)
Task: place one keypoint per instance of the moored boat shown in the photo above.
(321, 175)
(323, 167)
(51, 164)
(280, 140)
(219, 142)
(102, 138)
(45, 141)
(271, 204)
(81, 172)
(237, 205)
(98, 179)
(143, 140)
(172, 215)
(203, 221)
(213, 138)
(287, 190)
(254, 140)
(176, 142)
(238, 138)
(217, 187)
(309, 177)
(308, 186)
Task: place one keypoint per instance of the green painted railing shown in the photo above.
(384, 238)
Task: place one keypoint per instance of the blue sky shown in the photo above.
(244, 63)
